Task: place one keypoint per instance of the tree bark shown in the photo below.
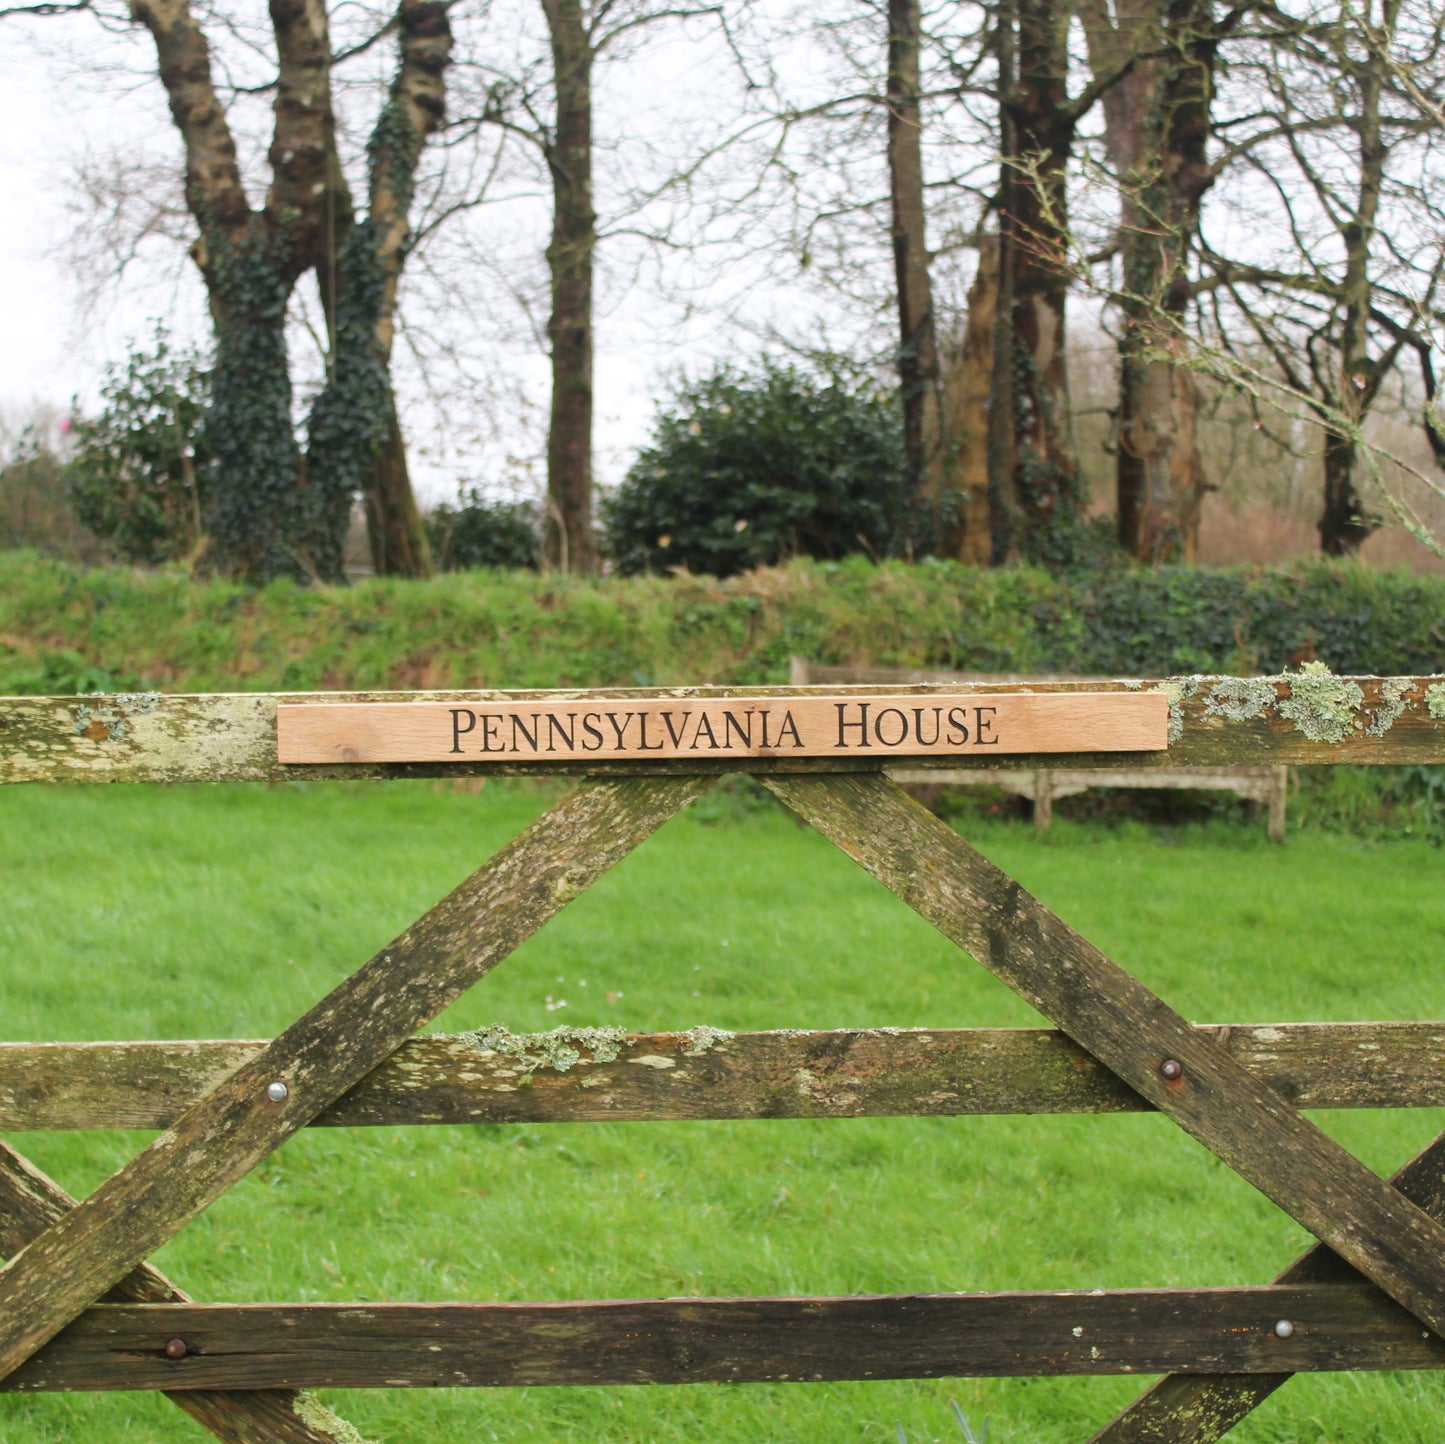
(918, 367)
(1345, 524)
(355, 439)
(966, 389)
(1045, 489)
(399, 546)
(250, 261)
(1005, 520)
(568, 543)
(1156, 129)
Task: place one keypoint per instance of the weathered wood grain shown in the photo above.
(30, 1202)
(1200, 1409)
(1217, 721)
(1216, 1099)
(674, 1341)
(575, 1075)
(325, 1052)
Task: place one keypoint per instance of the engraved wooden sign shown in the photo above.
(654, 728)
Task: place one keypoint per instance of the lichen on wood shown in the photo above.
(1240, 699)
(1322, 706)
(560, 1050)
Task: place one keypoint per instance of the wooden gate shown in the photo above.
(81, 1309)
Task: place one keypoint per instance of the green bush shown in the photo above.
(475, 532)
(140, 476)
(748, 470)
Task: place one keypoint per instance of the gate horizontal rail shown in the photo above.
(572, 1075)
(732, 1341)
(79, 1308)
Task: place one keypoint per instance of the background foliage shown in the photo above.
(747, 471)
(475, 532)
(140, 476)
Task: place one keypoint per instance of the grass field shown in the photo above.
(225, 912)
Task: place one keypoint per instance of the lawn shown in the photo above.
(215, 912)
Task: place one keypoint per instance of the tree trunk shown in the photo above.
(568, 543)
(1005, 521)
(966, 390)
(1345, 524)
(1046, 490)
(355, 443)
(1156, 129)
(918, 368)
(399, 546)
(258, 519)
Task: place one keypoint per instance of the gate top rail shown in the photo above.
(1307, 717)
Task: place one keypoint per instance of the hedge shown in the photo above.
(66, 628)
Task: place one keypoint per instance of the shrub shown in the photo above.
(35, 507)
(140, 476)
(476, 533)
(745, 471)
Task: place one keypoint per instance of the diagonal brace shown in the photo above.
(1202, 1408)
(1130, 1030)
(30, 1202)
(328, 1050)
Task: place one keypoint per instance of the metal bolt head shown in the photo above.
(1172, 1069)
(176, 1349)
(277, 1092)
(1284, 1329)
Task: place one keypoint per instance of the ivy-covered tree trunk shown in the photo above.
(257, 523)
(918, 367)
(1039, 503)
(568, 543)
(355, 442)
(251, 260)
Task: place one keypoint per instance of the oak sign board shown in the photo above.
(680, 727)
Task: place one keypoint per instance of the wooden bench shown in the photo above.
(1043, 785)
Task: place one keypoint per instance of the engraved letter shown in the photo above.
(626, 718)
(902, 737)
(555, 729)
(789, 726)
(980, 726)
(458, 731)
(730, 721)
(957, 723)
(861, 726)
(681, 733)
(918, 725)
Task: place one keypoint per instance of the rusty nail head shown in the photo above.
(1171, 1068)
(1284, 1329)
(176, 1349)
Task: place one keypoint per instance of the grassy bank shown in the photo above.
(212, 912)
(65, 629)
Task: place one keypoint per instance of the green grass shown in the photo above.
(211, 912)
